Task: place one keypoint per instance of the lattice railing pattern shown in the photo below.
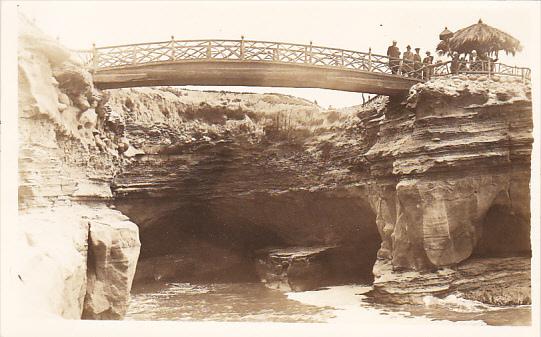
(264, 51)
(479, 67)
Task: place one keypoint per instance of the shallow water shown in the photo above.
(253, 302)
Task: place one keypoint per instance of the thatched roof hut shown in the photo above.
(483, 38)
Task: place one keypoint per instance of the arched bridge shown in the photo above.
(253, 63)
(244, 63)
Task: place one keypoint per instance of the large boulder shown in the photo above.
(75, 261)
(113, 252)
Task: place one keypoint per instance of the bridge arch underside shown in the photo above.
(242, 73)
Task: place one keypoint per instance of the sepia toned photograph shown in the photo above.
(270, 168)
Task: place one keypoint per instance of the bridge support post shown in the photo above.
(489, 67)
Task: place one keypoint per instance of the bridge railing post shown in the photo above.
(209, 50)
(370, 59)
(242, 47)
(172, 46)
(134, 55)
(342, 59)
(310, 53)
(489, 67)
(94, 57)
(276, 56)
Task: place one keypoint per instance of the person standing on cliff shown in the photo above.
(407, 62)
(417, 63)
(394, 57)
(427, 70)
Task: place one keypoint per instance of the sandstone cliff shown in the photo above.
(461, 162)
(427, 181)
(78, 254)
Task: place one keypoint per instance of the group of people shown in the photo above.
(411, 64)
(477, 62)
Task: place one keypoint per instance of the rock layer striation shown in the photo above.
(78, 255)
(432, 179)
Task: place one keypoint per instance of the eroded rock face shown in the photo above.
(245, 181)
(64, 184)
(498, 281)
(76, 260)
(426, 175)
(51, 270)
(460, 157)
(113, 252)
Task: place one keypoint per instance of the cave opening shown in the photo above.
(305, 239)
(505, 232)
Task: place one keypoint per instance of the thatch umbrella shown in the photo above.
(483, 38)
(443, 46)
(446, 34)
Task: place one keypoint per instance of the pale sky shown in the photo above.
(347, 25)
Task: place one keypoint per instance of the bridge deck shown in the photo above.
(250, 73)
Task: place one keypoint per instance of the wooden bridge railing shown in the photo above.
(479, 67)
(263, 51)
(247, 50)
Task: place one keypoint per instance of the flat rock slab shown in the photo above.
(307, 268)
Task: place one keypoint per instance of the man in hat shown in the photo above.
(417, 63)
(394, 57)
(427, 69)
(407, 62)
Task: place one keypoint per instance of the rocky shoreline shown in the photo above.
(425, 193)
